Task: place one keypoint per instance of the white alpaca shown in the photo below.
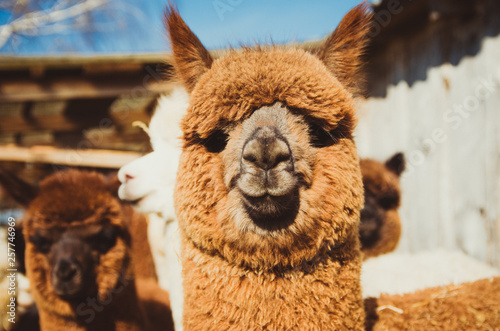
(149, 182)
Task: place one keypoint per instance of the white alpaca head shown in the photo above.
(149, 181)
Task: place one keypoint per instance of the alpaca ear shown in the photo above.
(396, 163)
(20, 190)
(342, 51)
(191, 58)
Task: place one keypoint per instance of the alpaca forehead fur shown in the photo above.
(73, 199)
(241, 82)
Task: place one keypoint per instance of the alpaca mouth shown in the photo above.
(270, 212)
(136, 202)
(68, 292)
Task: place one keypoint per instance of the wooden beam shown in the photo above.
(50, 115)
(111, 68)
(16, 90)
(70, 157)
(12, 117)
(133, 139)
(128, 109)
(32, 138)
(7, 138)
(20, 62)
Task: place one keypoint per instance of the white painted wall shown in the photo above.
(449, 129)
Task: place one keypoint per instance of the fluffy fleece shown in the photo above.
(380, 227)
(149, 183)
(468, 306)
(304, 276)
(72, 200)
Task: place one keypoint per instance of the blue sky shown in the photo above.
(135, 26)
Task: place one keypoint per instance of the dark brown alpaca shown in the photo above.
(380, 226)
(269, 188)
(78, 257)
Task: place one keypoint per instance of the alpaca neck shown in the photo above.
(119, 311)
(326, 295)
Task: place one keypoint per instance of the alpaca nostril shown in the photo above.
(128, 177)
(266, 156)
(266, 149)
(282, 157)
(250, 158)
(66, 270)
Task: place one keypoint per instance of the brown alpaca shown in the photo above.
(380, 226)
(269, 189)
(468, 306)
(78, 258)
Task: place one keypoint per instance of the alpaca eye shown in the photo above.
(389, 201)
(216, 142)
(42, 244)
(104, 240)
(320, 137)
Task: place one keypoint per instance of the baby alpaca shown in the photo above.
(148, 183)
(269, 188)
(78, 258)
(380, 226)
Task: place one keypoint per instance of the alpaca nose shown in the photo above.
(125, 174)
(266, 149)
(66, 270)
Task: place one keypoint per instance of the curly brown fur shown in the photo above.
(244, 267)
(78, 257)
(467, 306)
(380, 226)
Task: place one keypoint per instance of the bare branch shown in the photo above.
(36, 20)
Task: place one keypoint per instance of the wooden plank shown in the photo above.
(7, 138)
(127, 109)
(16, 62)
(71, 157)
(77, 88)
(37, 138)
(110, 138)
(12, 117)
(111, 68)
(50, 115)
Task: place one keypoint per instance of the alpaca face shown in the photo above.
(268, 161)
(148, 182)
(382, 200)
(269, 174)
(72, 255)
(277, 183)
(76, 243)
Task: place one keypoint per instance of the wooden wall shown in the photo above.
(438, 101)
